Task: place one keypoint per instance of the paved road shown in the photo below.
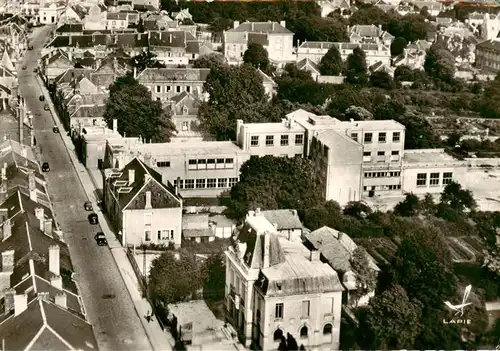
(108, 305)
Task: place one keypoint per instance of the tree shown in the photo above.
(409, 207)
(356, 67)
(357, 209)
(381, 79)
(389, 110)
(366, 276)
(215, 282)
(331, 64)
(326, 213)
(174, 279)
(392, 320)
(398, 46)
(440, 63)
(257, 56)
(145, 59)
(404, 73)
(137, 114)
(288, 344)
(274, 183)
(358, 113)
(209, 61)
(457, 198)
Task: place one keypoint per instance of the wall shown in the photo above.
(167, 90)
(291, 150)
(162, 219)
(322, 312)
(410, 178)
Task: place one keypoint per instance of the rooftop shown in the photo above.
(261, 27)
(187, 149)
(428, 156)
(284, 219)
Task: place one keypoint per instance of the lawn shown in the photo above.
(216, 246)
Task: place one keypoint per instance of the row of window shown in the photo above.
(306, 309)
(211, 163)
(177, 88)
(382, 187)
(284, 140)
(381, 174)
(382, 137)
(434, 179)
(165, 234)
(367, 156)
(304, 332)
(210, 183)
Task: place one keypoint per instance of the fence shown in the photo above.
(137, 271)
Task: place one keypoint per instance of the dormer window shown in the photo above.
(185, 110)
(278, 285)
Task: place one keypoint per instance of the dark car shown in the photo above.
(88, 206)
(93, 219)
(45, 167)
(41, 98)
(100, 238)
(24, 67)
(55, 129)
(46, 107)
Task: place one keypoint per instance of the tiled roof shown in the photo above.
(89, 111)
(121, 16)
(285, 219)
(366, 30)
(489, 45)
(170, 39)
(261, 27)
(302, 64)
(79, 10)
(193, 47)
(173, 74)
(43, 325)
(70, 28)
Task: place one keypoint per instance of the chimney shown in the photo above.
(70, 54)
(272, 28)
(147, 178)
(9, 299)
(8, 261)
(148, 200)
(115, 125)
(314, 256)
(135, 72)
(32, 186)
(54, 266)
(47, 226)
(170, 38)
(6, 231)
(39, 213)
(61, 299)
(21, 126)
(283, 23)
(251, 214)
(20, 304)
(131, 176)
(236, 24)
(267, 245)
(340, 236)
(56, 281)
(257, 211)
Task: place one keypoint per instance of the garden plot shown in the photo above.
(381, 249)
(460, 250)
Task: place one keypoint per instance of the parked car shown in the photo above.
(24, 67)
(41, 98)
(100, 238)
(45, 167)
(46, 107)
(55, 129)
(93, 219)
(88, 206)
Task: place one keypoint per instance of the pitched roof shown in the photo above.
(89, 111)
(306, 62)
(489, 45)
(44, 325)
(173, 74)
(70, 28)
(261, 27)
(284, 219)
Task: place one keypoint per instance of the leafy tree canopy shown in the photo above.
(331, 64)
(440, 63)
(145, 59)
(137, 114)
(257, 56)
(356, 67)
(381, 79)
(457, 198)
(366, 276)
(209, 61)
(398, 46)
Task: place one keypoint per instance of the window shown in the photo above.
(303, 332)
(382, 137)
(299, 139)
(396, 136)
(158, 99)
(211, 163)
(269, 140)
(188, 89)
(298, 155)
(354, 136)
(169, 87)
(179, 183)
(171, 234)
(148, 218)
(254, 140)
(222, 183)
(192, 162)
(327, 329)
(447, 178)
(164, 234)
(211, 183)
(202, 164)
(229, 163)
(200, 183)
(284, 140)
(278, 335)
(381, 153)
(434, 179)
(421, 179)
(306, 308)
(232, 182)
(367, 154)
(178, 88)
(368, 137)
(163, 164)
(185, 125)
(278, 311)
(330, 302)
(147, 235)
(395, 153)
(220, 161)
(158, 88)
(189, 183)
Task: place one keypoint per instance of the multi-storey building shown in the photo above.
(488, 55)
(369, 34)
(273, 36)
(199, 169)
(276, 287)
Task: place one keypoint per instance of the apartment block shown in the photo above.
(276, 287)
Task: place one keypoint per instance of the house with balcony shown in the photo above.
(337, 249)
(273, 36)
(142, 208)
(165, 83)
(276, 287)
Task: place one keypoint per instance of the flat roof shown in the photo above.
(429, 156)
(273, 127)
(194, 148)
(99, 133)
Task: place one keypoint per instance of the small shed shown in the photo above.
(195, 228)
(221, 226)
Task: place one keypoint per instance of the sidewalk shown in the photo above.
(160, 340)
